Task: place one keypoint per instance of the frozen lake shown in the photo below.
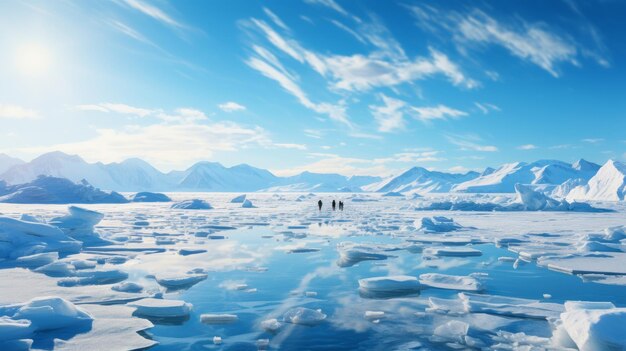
(491, 280)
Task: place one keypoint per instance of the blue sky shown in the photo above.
(354, 87)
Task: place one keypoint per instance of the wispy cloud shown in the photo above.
(389, 116)
(470, 143)
(593, 140)
(117, 108)
(527, 147)
(290, 146)
(486, 108)
(537, 43)
(427, 114)
(231, 106)
(8, 111)
(154, 12)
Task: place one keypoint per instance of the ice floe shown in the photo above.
(389, 286)
(451, 282)
(161, 308)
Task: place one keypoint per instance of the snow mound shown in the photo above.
(247, 204)
(195, 204)
(304, 316)
(20, 238)
(438, 224)
(595, 326)
(389, 286)
(239, 199)
(23, 321)
(159, 308)
(609, 184)
(146, 196)
(451, 282)
(51, 190)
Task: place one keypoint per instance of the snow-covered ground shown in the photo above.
(281, 274)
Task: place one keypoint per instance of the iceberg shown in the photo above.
(239, 199)
(271, 325)
(146, 196)
(195, 204)
(20, 238)
(79, 224)
(51, 190)
(595, 326)
(304, 316)
(23, 321)
(247, 204)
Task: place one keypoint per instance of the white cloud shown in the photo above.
(166, 145)
(154, 12)
(593, 140)
(231, 106)
(531, 42)
(527, 147)
(427, 114)
(117, 108)
(485, 108)
(362, 73)
(387, 66)
(290, 146)
(333, 163)
(470, 143)
(275, 18)
(336, 112)
(389, 116)
(537, 43)
(8, 111)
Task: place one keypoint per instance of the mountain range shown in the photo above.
(582, 180)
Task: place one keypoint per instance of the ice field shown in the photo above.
(277, 274)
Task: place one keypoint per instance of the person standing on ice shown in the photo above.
(319, 204)
(334, 205)
(340, 205)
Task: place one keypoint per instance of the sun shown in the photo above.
(33, 59)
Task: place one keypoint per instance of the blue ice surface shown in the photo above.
(337, 293)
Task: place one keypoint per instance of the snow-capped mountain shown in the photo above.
(212, 176)
(7, 162)
(545, 174)
(608, 184)
(308, 181)
(421, 180)
(137, 175)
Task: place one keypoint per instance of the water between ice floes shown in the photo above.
(256, 294)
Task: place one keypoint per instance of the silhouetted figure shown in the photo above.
(334, 205)
(340, 205)
(319, 204)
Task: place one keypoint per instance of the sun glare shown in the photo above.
(33, 59)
